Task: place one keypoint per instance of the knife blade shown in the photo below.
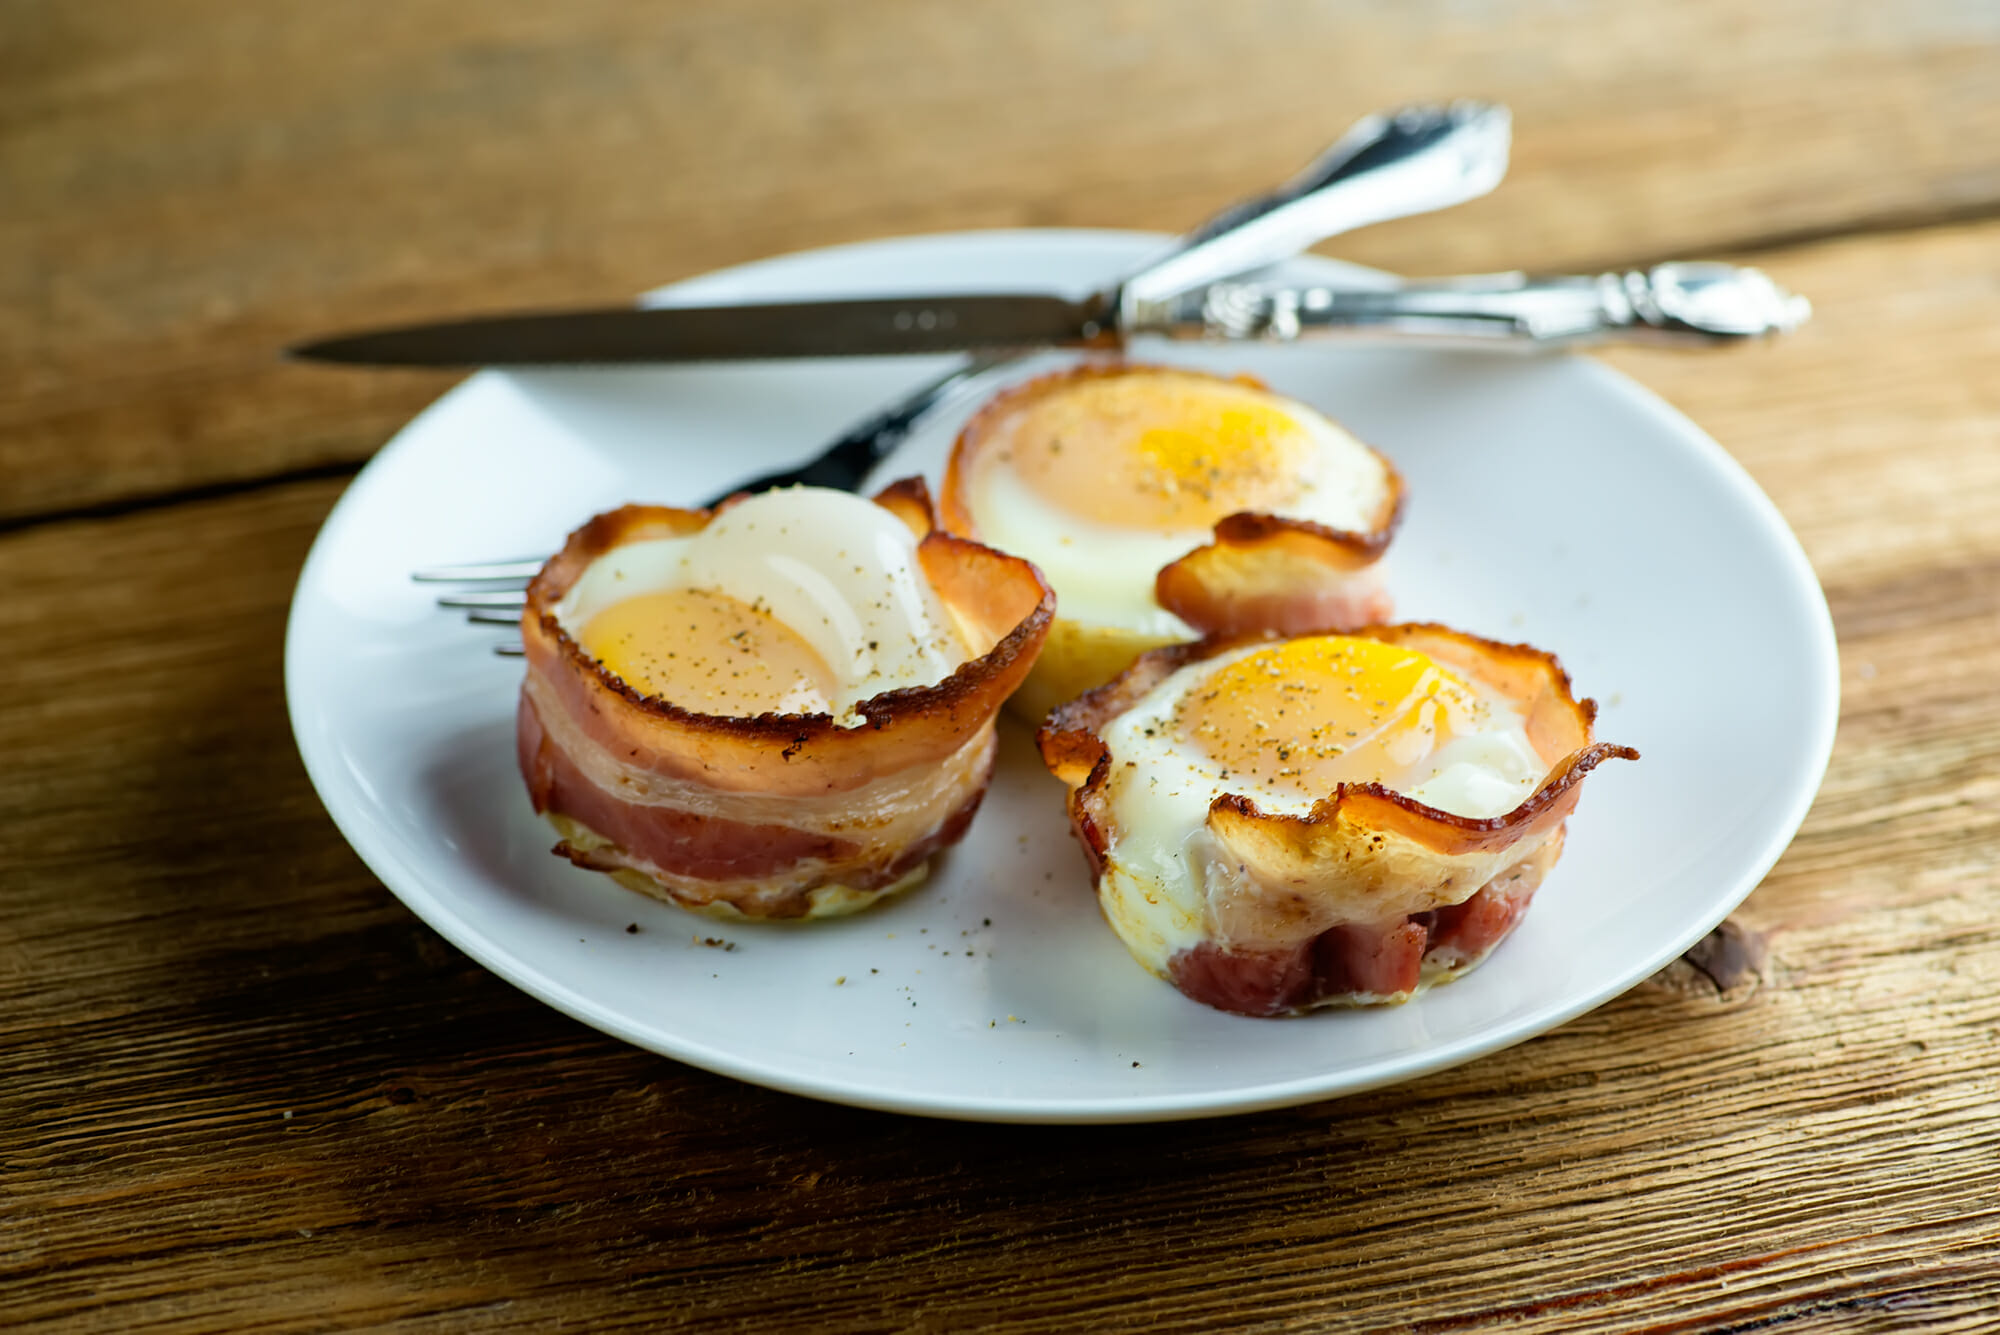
(872, 326)
(1388, 165)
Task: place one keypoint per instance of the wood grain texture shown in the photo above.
(190, 186)
(245, 1089)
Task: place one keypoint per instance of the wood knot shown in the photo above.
(1728, 965)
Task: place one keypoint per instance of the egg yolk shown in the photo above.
(1306, 715)
(1160, 452)
(708, 652)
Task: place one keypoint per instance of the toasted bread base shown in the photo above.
(1077, 657)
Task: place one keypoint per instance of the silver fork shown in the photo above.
(1388, 165)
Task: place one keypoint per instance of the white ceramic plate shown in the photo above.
(1552, 501)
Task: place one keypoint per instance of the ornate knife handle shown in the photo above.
(1676, 303)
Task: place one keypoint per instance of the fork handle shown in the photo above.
(1389, 165)
(1393, 164)
(848, 460)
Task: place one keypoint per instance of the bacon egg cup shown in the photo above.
(778, 709)
(1274, 825)
(1163, 504)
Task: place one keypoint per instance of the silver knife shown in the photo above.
(1678, 302)
(1388, 166)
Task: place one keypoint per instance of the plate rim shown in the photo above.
(387, 864)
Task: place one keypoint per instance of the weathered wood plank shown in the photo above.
(244, 1088)
(1877, 428)
(191, 186)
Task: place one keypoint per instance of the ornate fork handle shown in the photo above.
(1388, 165)
(1680, 302)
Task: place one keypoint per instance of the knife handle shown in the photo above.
(1687, 302)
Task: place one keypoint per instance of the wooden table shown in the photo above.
(241, 1087)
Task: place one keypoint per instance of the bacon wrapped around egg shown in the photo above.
(1279, 824)
(1163, 504)
(779, 709)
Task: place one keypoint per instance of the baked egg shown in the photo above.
(1163, 503)
(1279, 824)
(782, 708)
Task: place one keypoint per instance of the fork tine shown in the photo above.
(523, 569)
(493, 616)
(514, 598)
(511, 649)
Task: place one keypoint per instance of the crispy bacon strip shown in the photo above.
(777, 815)
(1292, 576)
(1371, 894)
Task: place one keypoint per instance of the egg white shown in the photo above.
(835, 568)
